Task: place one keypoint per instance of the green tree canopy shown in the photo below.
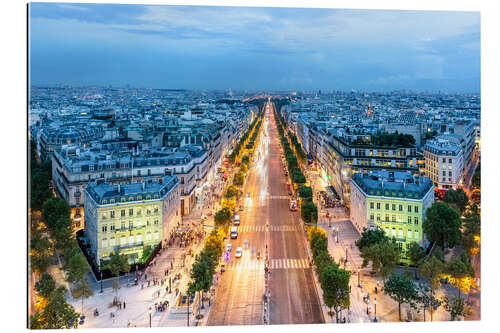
(222, 217)
(76, 268)
(41, 252)
(415, 253)
(456, 307)
(231, 191)
(442, 225)
(371, 237)
(46, 285)
(239, 178)
(402, 290)
(457, 199)
(306, 192)
(245, 159)
(82, 290)
(118, 263)
(335, 284)
(39, 188)
(53, 210)
(385, 256)
(57, 314)
(309, 212)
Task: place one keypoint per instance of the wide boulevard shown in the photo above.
(267, 220)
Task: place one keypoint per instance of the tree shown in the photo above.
(53, 209)
(57, 314)
(245, 159)
(306, 192)
(46, 285)
(442, 225)
(402, 290)
(231, 191)
(82, 290)
(460, 273)
(41, 252)
(299, 178)
(455, 306)
(385, 256)
(62, 234)
(117, 263)
(239, 179)
(309, 212)
(335, 284)
(76, 268)
(415, 253)
(222, 217)
(371, 237)
(432, 269)
(457, 199)
(39, 188)
(476, 178)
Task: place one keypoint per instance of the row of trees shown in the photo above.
(392, 139)
(236, 151)
(334, 280)
(206, 261)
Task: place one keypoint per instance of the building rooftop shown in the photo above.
(393, 184)
(125, 193)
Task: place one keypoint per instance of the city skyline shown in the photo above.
(194, 47)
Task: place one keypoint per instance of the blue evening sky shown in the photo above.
(192, 47)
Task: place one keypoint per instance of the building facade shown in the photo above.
(444, 161)
(130, 219)
(393, 201)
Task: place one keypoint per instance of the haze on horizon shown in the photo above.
(253, 48)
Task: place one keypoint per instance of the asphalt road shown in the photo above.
(240, 289)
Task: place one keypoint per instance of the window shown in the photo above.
(371, 205)
(123, 240)
(131, 240)
(147, 223)
(444, 159)
(130, 212)
(139, 212)
(416, 209)
(148, 236)
(444, 173)
(123, 212)
(371, 217)
(386, 217)
(156, 222)
(393, 218)
(378, 217)
(156, 210)
(123, 226)
(130, 225)
(387, 231)
(138, 238)
(112, 227)
(112, 214)
(393, 206)
(156, 235)
(104, 228)
(417, 236)
(386, 206)
(415, 220)
(378, 205)
(104, 242)
(449, 160)
(409, 234)
(148, 211)
(449, 173)
(409, 209)
(409, 219)
(112, 241)
(394, 232)
(400, 208)
(400, 233)
(103, 216)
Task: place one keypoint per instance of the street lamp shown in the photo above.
(359, 285)
(375, 303)
(100, 271)
(150, 312)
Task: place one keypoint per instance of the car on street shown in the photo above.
(229, 247)
(248, 194)
(241, 208)
(239, 252)
(234, 232)
(236, 220)
(222, 268)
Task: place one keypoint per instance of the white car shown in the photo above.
(239, 252)
(229, 247)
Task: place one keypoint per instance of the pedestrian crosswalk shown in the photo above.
(272, 197)
(248, 264)
(272, 228)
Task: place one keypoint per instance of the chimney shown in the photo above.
(119, 188)
(143, 185)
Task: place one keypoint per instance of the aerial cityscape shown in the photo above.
(208, 195)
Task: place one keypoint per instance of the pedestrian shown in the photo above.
(148, 283)
(124, 304)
